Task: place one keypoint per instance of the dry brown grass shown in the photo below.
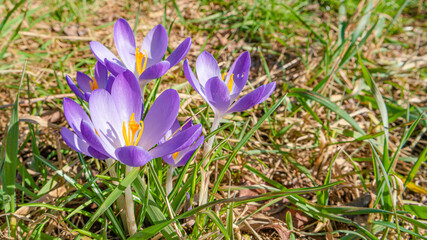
(400, 57)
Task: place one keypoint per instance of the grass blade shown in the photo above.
(152, 230)
(113, 197)
(328, 104)
(212, 215)
(421, 159)
(16, 6)
(155, 215)
(10, 164)
(243, 142)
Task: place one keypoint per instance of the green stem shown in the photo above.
(121, 199)
(204, 188)
(169, 184)
(208, 145)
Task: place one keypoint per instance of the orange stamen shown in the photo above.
(139, 56)
(129, 135)
(175, 155)
(230, 83)
(93, 84)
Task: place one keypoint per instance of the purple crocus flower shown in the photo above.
(87, 84)
(145, 62)
(221, 93)
(115, 128)
(180, 158)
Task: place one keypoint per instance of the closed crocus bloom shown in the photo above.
(220, 92)
(181, 156)
(86, 84)
(146, 61)
(115, 128)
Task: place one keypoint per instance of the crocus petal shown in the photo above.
(83, 82)
(125, 43)
(114, 68)
(159, 118)
(180, 141)
(95, 141)
(101, 53)
(192, 79)
(133, 156)
(248, 101)
(127, 94)
(184, 155)
(153, 72)
(96, 154)
(206, 68)
(240, 71)
(217, 95)
(104, 116)
(74, 142)
(179, 53)
(269, 89)
(74, 88)
(74, 114)
(87, 96)
(174, 128)
(110, 82)
(101, 74)
(79, 145)
(169, 160)
(155, 44)
(188, 123)
(187, 153)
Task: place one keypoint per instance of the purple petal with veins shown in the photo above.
(133, 156)
(155, 44)
(218, 95)
(179, 53)
(125, 43)
(74, 88)
(207, 68)
(159, 118)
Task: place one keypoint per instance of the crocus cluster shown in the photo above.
(115, 128)
(114, 125)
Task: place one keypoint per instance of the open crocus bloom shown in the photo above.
(181, 157)
(115, 128)
(221, 93)
(88, 84)
(145, 62)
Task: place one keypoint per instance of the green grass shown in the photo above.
(343, 120)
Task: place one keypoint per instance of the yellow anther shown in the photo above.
(230, 83)
(139, 56)
(93, 84)
(140, 133)
(175, 155)
(223, 75)
(133, 125)
(129, 135)
(125, 136)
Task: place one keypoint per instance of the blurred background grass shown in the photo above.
(310, 45)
